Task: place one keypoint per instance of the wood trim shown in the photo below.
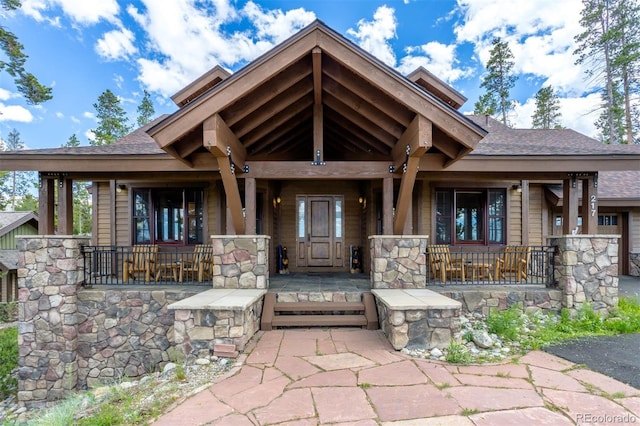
(250, 205)
(234, 204)
(318, 135)
(404, 196)
(569, 207)
(46, 206)
(387, 206)
(316, 54)
(589, 206)
(217, 137)
(525, 200)
(418, 137)
(113, 223)
(65, 206)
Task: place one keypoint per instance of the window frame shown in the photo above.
(451, 194)
(152, 197)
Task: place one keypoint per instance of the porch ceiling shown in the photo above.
(316, 91)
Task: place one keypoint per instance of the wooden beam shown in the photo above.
(404, 196)
(218, 137)
(250, 205)
(524, 212)
(46, 206)
(316, 53)
(170, 149)
(570, 205)
(590, 205)
(234, 203)
(418, 137)
(280, 119)
(387, 206)
(65, 206)
(318, 136)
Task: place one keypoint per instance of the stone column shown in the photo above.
(586, 270)
(241, 261)
(50, 269)
(398, 261)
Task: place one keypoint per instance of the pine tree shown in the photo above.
(498, 81)
(16, 184)
(81, 199)
(547, 114)
(112, 119)
(145, 110)
(15, 60)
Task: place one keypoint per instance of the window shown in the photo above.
(167, 216)
(608, 220)
(474, 216)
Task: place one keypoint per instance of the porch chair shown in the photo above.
(514, 260)
(200, 265)
(442, 265)
(143, 260)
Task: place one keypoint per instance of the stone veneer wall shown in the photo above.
(634, 264)
(586, 268)
(50, 268)
(398, 261)
(240, 261)
(431, 328)
(125, 332)
(198, 331)
(484, 299)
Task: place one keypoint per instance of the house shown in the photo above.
(12, 224)
(319, 145)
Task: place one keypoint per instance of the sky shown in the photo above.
(81, 48)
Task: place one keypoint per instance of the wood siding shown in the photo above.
(536, 236)
(8, 240)
(103, 212)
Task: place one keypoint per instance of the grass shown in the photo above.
(458, 354)
(8, 361)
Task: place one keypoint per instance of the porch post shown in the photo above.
(570, 205)
(46, 206)
(250, 205)
(65, 206)
(590, 205)
(387, 206)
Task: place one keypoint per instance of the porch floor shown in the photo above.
(319, 282)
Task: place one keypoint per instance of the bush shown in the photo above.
(8, 311)
(506, 323)
(8, 361)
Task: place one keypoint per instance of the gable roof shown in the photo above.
(439, 88)
(271, 106)
(12, 220)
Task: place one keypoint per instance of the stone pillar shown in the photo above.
(50, 269)
(240, 261)
(586, 270)
(398, 261)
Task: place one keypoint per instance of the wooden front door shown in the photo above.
(320, 231)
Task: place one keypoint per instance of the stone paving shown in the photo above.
(354, 377)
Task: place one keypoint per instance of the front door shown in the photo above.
(320, 231)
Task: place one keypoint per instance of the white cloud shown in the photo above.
(6, 94)
(89, 114)
(15, 113)
(373, 36)
(116, 45)
(74, 119)
(59, 114)
(540, 34)
(80, 11)
(90, 135)
(276, 25)
(438, 58)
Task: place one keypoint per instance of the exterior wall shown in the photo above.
(398, 261)
(102, 214)
(587, 271)
(536, 234)
(634, 242)
(49, 274)
(8, 240)
(514, 217)
(241, 261)
(484, 300)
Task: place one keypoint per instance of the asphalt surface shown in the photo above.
(615, 356)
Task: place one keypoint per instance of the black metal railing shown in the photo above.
(121, 265)
(506, 265)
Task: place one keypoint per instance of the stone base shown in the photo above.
(417, 318)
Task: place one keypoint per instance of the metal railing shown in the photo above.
(506, 265)
(105, 265)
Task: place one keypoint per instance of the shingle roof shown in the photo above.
(503, 140)
(624, 184)
(8, 260)
(11, 220)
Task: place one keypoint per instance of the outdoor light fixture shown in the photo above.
(276, 201)
(362, 201)
(121, 188)
(517, 188)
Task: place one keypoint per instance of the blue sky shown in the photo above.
(82, 48)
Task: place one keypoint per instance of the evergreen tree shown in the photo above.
(145, 110)
(486, 105)
(15, 59)
(16, 184)
(112, 119)
(547, 114)
(82, 224)
(498, 81)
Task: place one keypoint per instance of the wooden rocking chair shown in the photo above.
(200, 265)
(514, 260)
(442, 265)
(142, 261)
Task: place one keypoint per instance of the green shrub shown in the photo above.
(8, 361)
(506, 323)
(458, 354)
(8, 311)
